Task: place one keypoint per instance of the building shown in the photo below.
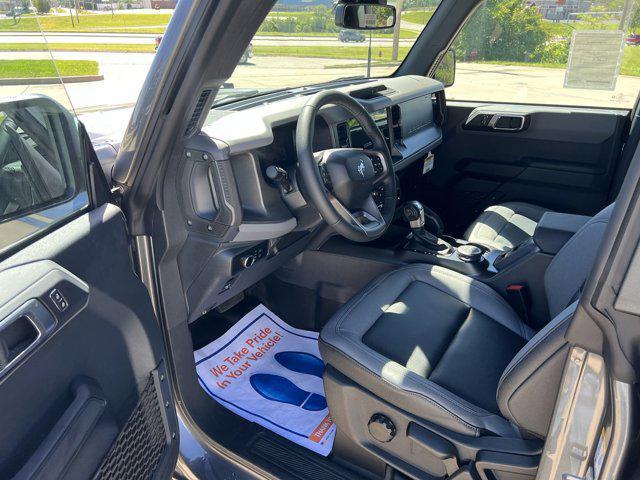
(561, 9)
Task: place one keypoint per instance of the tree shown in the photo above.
(505, 30)
(42, 6)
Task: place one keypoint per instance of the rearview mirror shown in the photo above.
(365, 16)
(445, 72)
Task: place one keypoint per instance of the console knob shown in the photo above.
(280, 177)
(470, 253)
(382, 428)
(247, 261)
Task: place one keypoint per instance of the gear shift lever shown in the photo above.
(413, 213)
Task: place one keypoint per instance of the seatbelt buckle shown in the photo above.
(518, 297)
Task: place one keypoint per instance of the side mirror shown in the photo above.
(445, 72)
(359, 16)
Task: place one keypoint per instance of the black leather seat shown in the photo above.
(448, 349)
(502, 227)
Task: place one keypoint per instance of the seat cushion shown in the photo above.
(430, 341)
(505, 226)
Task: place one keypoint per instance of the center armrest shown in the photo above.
(555, 229)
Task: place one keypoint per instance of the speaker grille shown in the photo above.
(139, 448)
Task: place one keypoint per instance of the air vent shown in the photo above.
(396, 124)
(344, 140)
(197, 112)
(439, 108)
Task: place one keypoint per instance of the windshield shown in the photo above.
(299, 44)
(104, 50)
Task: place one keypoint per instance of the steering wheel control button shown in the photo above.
(58, 300)
(470, 253)
(382, 428)
(378, 167)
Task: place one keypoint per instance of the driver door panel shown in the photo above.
(82, 380)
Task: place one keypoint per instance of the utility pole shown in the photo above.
(369, 57)
(396, 30)
(71, 14)
(625, 13)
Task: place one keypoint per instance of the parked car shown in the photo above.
(633, 39)
(348, 36)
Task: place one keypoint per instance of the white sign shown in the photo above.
(370, 20)
(594, 59)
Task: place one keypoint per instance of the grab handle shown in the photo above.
(22, 331)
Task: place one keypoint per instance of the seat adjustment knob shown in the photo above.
(382, 428)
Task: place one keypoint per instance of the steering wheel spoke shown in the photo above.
(367, 217)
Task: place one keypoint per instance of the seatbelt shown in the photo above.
(519, 299)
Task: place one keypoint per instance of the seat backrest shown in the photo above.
(529, 385)
(569, 269)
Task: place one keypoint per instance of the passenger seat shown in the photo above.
(502, 227)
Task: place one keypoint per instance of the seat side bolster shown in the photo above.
(529, 386)
(418, 396)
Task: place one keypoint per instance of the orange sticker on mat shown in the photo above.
(322, 428)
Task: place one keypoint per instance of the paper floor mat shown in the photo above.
(271, 374)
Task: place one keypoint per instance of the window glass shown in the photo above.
(554, 52)
(299, 44)
(42, 169)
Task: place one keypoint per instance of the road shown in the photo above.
(149, 39)
(124, 74)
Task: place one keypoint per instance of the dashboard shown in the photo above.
(243, 225)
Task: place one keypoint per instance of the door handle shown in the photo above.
(22, 331)
(507, 122)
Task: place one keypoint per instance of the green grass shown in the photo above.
(630, 63)
(46, 68)
(566, 29)
(419, 17)
(404, 33)
(138, 23)
(135, 23)
(289, 14)
(78, 47)
(350, 52)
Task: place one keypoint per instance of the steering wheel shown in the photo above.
(340, 182)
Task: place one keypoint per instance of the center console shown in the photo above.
(426, 243)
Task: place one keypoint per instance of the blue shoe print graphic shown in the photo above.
(301, 362)
(280, 389)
